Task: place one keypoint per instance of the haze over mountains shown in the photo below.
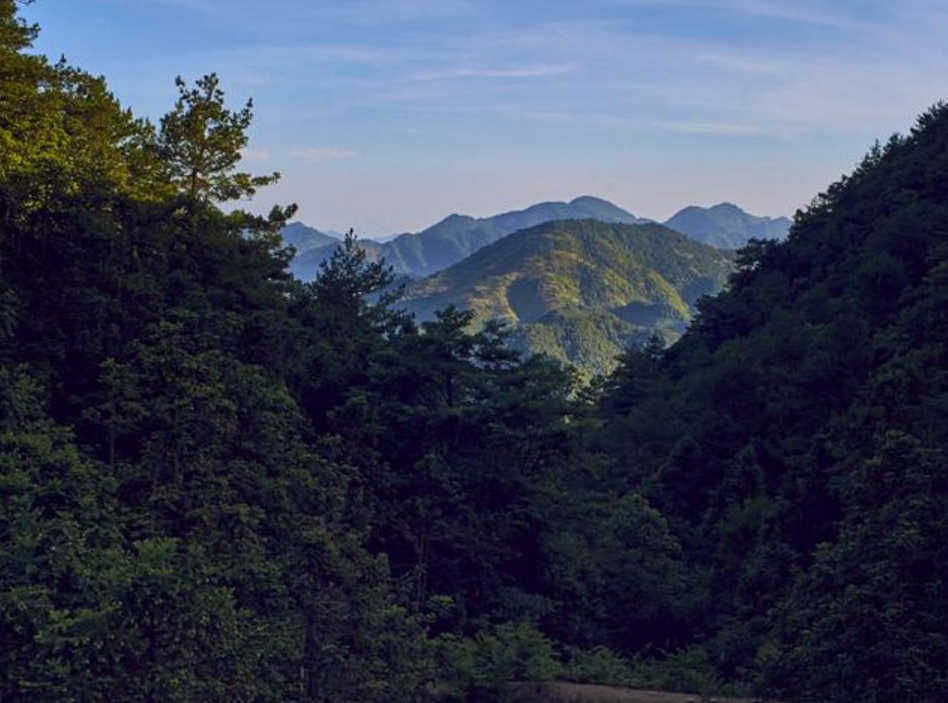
(303, 238)
(457, 236)
(726, 226)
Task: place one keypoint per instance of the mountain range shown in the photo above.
(455, 237)
(580, 281)
(458, 236)
(579, 290)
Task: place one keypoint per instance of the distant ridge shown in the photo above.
(303, 237)
(726, 225)
(458, 236)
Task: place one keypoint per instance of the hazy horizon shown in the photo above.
(386, 116)
(524, 206)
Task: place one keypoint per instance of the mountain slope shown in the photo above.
(796, 439)
(580, 290)
(305, 265)
(450, 240)
(445, 243)
(458, 236)
(726, 226)
(303, 237)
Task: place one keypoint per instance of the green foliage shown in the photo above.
(218, 483)
(599, 665)
(869, 611)
(170, 527)
(200, 143)
(580, 291)
(792, 441)
(689, 670)
(478, 668)
(616, 575)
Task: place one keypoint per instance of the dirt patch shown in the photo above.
(587, 693)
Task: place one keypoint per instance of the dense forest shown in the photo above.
(218, 483)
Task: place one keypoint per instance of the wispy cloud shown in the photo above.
(796, 11)
(512, 73)
(718, 128)
(321, 154)
(205, 7)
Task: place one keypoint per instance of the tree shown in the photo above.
(15, 34)
(200, 141)
(170, 528)
(867, 621)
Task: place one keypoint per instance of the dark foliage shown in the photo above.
(795, 440)
(220, 484)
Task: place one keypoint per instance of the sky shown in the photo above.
(387, 115)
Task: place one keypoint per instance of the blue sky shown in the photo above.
(386, 115)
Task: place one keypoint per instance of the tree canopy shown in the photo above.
(218, 483)
(200, 143)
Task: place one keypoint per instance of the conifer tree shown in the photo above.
(201, 140)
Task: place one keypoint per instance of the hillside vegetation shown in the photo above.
(220, 484)
(724, 226)
(795, 442)
(581, 291)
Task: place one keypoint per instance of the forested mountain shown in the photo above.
(726, 226)
(218, 483)
(579, 290)
(457, 236)
(310, 246)
(306, 265)
(795, 440)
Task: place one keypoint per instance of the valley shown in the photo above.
(563, 453)
(579, 281)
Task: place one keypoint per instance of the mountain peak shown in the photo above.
(726, 225)
(590, 200)
(728, 207)
(457, 236)
(581, 290)
(304, 238)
